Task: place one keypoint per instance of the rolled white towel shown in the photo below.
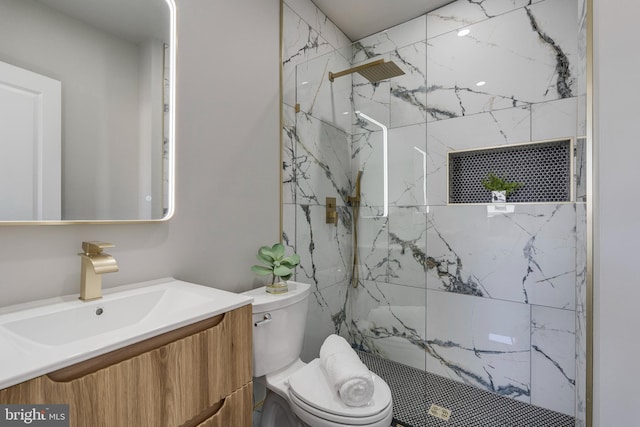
(346, 372)
(335, 344)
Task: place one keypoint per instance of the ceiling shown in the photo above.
(361, 18)
(137, 19)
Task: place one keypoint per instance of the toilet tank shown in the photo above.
(278, 327)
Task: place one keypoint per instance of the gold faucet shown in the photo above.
(94, 264)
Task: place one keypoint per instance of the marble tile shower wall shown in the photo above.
(316, 163)
(489, 300)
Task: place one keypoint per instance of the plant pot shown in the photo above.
(278, 288)
(499, 197)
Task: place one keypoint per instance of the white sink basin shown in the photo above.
(40, 337)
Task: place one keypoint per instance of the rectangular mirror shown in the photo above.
(86, 110)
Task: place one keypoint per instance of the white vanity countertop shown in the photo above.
(42, 336)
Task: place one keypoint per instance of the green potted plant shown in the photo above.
(277, 265)
(500, 188)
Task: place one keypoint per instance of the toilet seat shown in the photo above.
(311, 394)
(314, 417)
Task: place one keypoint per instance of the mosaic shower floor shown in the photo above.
(414, 391)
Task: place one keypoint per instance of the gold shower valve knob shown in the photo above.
(331, 213)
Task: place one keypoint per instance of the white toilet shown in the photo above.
(298, 394)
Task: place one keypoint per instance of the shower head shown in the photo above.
(384, 71)
(373, 71)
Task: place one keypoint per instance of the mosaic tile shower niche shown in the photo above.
(543, 168)
(491, 300)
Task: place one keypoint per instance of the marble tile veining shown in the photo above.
(460, 14)
(324, 249)
(479, 346)
(553, 359)
(391, 39)
(527, 256)
(322, 162)
(524, 56)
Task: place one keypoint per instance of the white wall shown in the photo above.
(227, 170)
(617, 289)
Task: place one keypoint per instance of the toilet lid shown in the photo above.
(310, 385)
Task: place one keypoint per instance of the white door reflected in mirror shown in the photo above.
(30, 145)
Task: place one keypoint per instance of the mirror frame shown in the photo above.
(171, 4)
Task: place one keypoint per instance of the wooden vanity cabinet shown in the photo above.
(198, 375)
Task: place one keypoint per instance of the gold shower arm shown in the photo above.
(354, 69)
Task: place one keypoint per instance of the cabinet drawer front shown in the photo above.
(162, 387)
(236, 411)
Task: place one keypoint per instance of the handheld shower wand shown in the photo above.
(355, 209)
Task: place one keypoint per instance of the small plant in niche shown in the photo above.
(499, 187)
(277, 265)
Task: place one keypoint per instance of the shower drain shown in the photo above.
(439, 412)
